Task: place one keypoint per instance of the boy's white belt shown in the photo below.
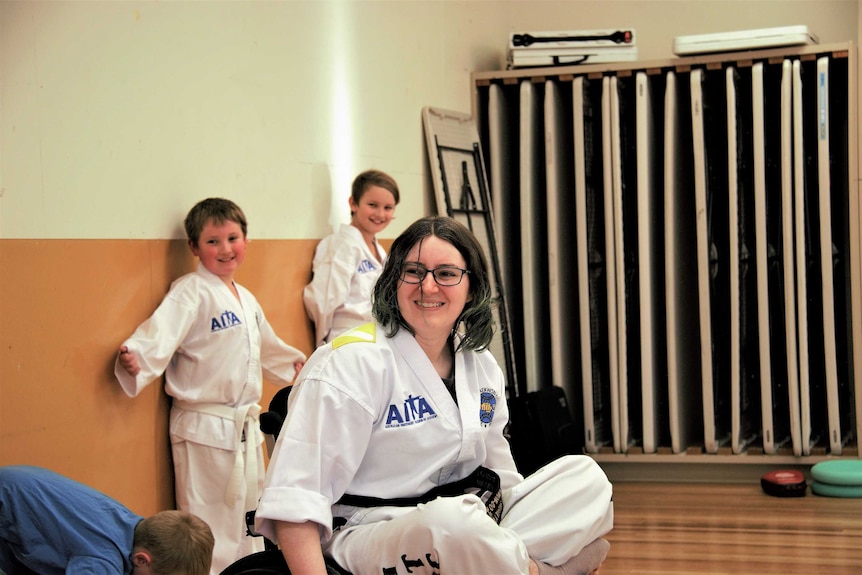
(242, 417)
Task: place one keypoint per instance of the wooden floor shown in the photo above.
(671, 529)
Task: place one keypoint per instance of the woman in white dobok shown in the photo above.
(392, 458)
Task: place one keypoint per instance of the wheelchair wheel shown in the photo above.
(269, 562)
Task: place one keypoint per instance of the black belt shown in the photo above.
(485, 482)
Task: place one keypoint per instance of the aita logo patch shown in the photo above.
(366, 266)
(412, 411)
(225, 320)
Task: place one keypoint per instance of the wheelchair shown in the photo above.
(271, 561)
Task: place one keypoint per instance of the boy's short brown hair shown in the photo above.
(215, 210)
(370, 178)
(178, 543)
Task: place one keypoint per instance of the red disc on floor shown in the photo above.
(784, 483)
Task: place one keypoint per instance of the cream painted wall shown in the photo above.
(117, 116)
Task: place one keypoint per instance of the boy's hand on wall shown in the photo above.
(129, 362)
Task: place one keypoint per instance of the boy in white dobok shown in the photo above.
(347, 263)
(212, 340)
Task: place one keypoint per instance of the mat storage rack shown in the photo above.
(681, 249)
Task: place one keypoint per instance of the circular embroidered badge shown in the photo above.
(487, 405)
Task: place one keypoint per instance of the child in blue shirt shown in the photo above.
(53, 525)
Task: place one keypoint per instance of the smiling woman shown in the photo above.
(437, 243)
(431, 308)
(417, 466)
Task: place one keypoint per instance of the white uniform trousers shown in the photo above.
(203, 475)
(550, 516)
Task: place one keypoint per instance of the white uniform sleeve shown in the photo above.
(157, 339)
(327, 431)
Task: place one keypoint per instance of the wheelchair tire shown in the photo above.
(269, 562)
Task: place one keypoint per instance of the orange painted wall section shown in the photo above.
(65, 307)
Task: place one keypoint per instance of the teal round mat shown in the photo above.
(838, 472)
(828, 490)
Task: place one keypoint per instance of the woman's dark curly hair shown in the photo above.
(477, 317)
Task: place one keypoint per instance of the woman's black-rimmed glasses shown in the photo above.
(446, 276)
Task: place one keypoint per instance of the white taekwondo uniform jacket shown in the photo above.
(213, 349)
(372, 417)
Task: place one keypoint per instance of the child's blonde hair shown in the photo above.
(179, 543)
